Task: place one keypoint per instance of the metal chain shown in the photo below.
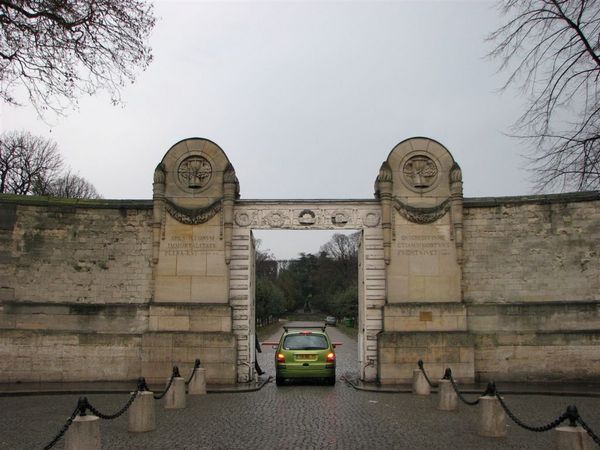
(564, 416)
(422, 369)
(173, 375)
(589, 431)
(470, 403)
(196, 366)
(119, 412)
(63, 430)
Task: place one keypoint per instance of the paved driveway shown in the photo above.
(299, 416)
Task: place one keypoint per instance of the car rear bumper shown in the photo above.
(288, 371)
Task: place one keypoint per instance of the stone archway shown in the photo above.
(409, 270)
(362, 216)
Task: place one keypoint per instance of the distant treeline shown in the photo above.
(325, 282)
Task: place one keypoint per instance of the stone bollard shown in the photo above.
(492, 418)
(142, 413)
(83, 434)
(572, 438)
(447, 395)
(420, 386)
(175, 396)
(197, 384)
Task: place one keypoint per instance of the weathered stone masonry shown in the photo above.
(503, 288)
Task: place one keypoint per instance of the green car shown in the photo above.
(305, 353)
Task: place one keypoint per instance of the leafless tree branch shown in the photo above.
(551, 50)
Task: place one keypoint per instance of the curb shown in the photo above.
(374, 388)
(209, 390)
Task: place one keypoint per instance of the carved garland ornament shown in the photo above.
(422, 215)
(193, 216)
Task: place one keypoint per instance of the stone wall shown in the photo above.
(531, 284)
(76, 298)
(75, 251)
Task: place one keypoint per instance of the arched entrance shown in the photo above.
(409, 263)
(363, 216)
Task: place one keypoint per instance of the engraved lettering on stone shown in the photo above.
(423, 245)
(192, 216)
(371, 219)
(188, 245)
(242, 219)
(306, 217)
(422, 215)
(194, 172)
(339, 218)
(420, 172)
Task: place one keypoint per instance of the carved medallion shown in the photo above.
(242, 219)
(194, 172)
(306, 217)
(420, 172)
(339, 218)
(371, 219)
(275, 220)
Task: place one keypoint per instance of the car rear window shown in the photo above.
(305, 342)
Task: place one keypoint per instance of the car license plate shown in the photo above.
(306, 357)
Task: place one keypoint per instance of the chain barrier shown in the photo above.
(489, 390)
(64, 429)
(83, 405)
(422, 369)
(196, 366)
(588, 430)
(560, 419)
(174, 374)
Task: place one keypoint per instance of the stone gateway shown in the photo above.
(497, 288)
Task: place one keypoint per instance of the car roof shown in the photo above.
(300, 329)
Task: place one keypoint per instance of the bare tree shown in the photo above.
(342, 247)
(551, 49)
(70, 185)
(28, 163)
(33, 165)
(60, 50)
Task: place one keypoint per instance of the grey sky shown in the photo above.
(306, 98)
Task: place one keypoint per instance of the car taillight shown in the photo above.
(280, 357)
(331, 357)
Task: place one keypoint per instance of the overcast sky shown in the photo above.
(306, 98)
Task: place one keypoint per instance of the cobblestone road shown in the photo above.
(299, 416)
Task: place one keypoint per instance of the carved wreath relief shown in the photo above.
(420, 172)
(194, 172)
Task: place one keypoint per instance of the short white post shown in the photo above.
(84, 432)
(197, 384)
(572, 436)
(448, 400)
(175, 396)
(142, 413)
(492, 418)
(420, 386)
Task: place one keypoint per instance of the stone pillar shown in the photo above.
(492, 418)
(420, 386)
(83, 434)
(175, 396)
(197, 384)
(142, 413)
(572, 438)
(447, 396)
(384, 190)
